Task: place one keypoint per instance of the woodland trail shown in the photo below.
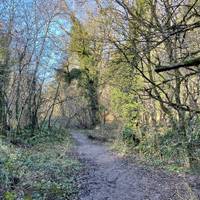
(108, 177)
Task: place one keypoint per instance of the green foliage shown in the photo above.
(123, 103)
(41, 170)
(41, 136)
(127, 133)
(81, 44)
(129, 136)
(125, 84)
(9, 196)
(79, 39)
(73, 74)
(165, 149)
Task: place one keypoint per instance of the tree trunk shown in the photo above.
(93, 103)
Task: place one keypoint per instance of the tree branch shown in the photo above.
(185, 64)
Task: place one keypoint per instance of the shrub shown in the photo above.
(129, 136)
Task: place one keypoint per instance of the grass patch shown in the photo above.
(40, 168)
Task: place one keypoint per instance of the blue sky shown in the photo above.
(52, 55)
(55, 57)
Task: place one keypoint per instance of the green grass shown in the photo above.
(41, 168)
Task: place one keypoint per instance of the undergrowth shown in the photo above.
(37, 166)
(162, 150)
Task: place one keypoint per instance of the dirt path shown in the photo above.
(107, 177)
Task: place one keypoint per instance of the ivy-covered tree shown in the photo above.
(83, 45)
